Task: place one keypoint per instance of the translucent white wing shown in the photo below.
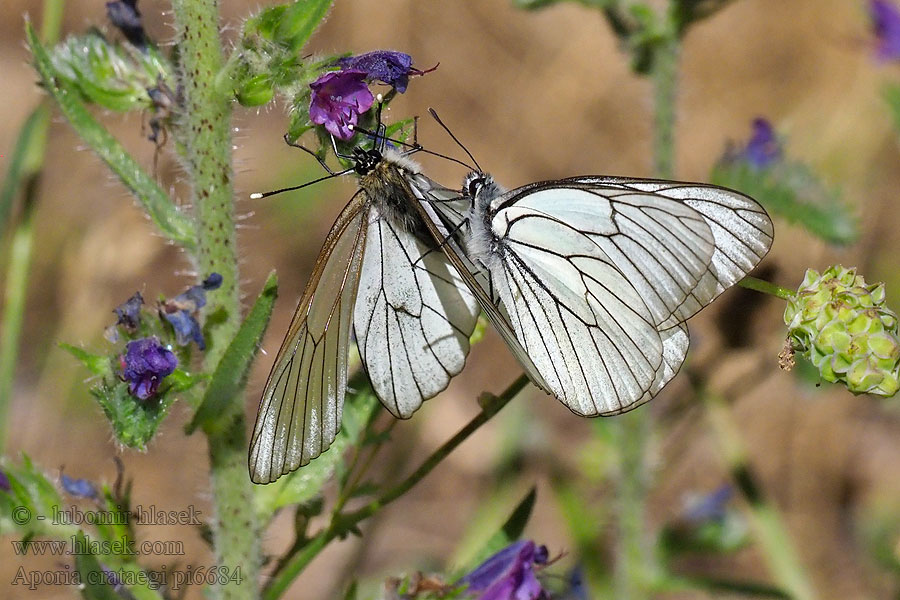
(444, 213)
(580, 320)
(598, 275)
(741, 230)
(679, 244)
(300, 411)
(413, 318)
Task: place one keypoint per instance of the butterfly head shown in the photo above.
(364, 161)
(481, 189)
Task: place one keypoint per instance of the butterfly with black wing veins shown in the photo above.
(590, 280)
(381, 271)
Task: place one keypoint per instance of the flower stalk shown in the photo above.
(341, 524)
(765, 521)
(205, 133)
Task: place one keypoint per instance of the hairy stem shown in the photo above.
(341, 524)
(205, 131)
(637, 566)
(664, 74)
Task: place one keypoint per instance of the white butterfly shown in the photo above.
(380, 271)
(589, 280)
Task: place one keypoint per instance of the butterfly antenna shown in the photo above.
(450, 133)
(258, 195)
(416, 147)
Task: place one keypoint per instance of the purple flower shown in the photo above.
(338, 98)
(145, 364)
(4, 482)
(386, 66)
(181, 311)
(79, 488)
(509, 574)
(129, 312)
(762, 150)
(886, 27)
(710, 507)
(125, 15)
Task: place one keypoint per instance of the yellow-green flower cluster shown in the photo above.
(849, 334)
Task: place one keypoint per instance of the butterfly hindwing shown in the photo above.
(413, 318)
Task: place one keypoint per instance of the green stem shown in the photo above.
(759, 285)
(635, 560)
(637, 566)
(766, 523)
(342, 524)
(23, 174)
(14, 309)
(205, 132)
(664, 75)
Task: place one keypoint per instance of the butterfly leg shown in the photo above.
(308, 151)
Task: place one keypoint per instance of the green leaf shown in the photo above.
(96, 363)
(287, 25)
(173, 224)
(891, 93)
(27, 510)
(307, 482)
(134, 421)
(792, 192)
(23, 162)
(94, 580)
(219, 405)
(510, 531)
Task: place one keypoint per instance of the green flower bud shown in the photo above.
(256, 91)
(842, 324)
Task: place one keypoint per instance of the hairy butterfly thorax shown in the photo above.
(385, 177)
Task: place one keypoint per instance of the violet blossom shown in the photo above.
(79, 488)
(885, 17)
(181, 311)
(762, 150)
(338, 98)
(509, 574)
(145, 364)
(387, 66)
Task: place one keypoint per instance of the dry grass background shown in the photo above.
(533, 95)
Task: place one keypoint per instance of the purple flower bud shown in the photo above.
(4, 482)
(386, 66)
(886, 26)
(509, 574)
(145, 364)
(338, 98)
(129, 312)
(762, 150)
(181, 311)
(213, 282)
(79, 488)
(125, 15)
(710, 507)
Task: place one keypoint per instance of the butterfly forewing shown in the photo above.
(741, 231)
(300, 411)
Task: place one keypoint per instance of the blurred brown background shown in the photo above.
(533, 95)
